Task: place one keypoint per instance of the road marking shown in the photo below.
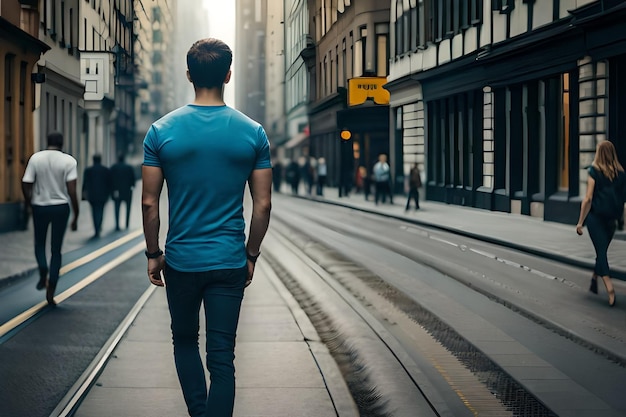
(99, 252)
(21, 318)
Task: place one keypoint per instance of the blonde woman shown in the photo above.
(602, 206)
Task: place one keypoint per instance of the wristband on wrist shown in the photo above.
(253, 258)
(153, 255)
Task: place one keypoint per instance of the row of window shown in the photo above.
(354, 58)
(462, 132)
(60, 21)
(430, 21)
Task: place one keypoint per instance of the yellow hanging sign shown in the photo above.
(362, 88)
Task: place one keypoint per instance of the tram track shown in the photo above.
(447, 384)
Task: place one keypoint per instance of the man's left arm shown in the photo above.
(152, 180)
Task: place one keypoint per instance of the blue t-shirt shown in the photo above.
(207, 154)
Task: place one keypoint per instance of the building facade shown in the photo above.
(97, 74)
(348, 64)
(502, 102)
(274, 75)
(160, 64)
(296, 77)
(20, 49)
(249, 60)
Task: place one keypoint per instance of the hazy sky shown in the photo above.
(222, 26)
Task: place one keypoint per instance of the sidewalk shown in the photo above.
(282, 367)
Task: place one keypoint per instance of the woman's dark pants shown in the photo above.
(601, 231)
(43, 216)
(221, 291)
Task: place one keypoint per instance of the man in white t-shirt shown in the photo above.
(49, 187)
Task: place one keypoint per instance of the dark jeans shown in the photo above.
(43, 216)
(321, 182)
(97, 213)
(118, 205)
(413, 194)
(601, 232)
(221, 291)
(382, 190)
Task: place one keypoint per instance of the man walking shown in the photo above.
(49, 187)
(382, 177)
(207, 152)
(122, 184)
(96, 190)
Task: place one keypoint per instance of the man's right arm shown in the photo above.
(152, 179)
(260, 183)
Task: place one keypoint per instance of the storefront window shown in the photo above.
(564, 140)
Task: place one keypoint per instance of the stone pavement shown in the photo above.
(282, 367)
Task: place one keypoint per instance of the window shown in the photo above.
(382, 48)
(72, 34)
(415, 27)
(359, 48)
(62, 24)
(9, 75)
(399, 28)
(22, 111)
(564, 142)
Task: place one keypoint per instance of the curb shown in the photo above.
(618, 273)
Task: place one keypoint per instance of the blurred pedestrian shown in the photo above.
(293, 176)
(600, 209)
(49, 187)
(122, 185)
(307, 173)
(322, 172)
(207, 152)
(415, 183)
(366, 182)
(277, 174)
(382, 178)
(97, 190)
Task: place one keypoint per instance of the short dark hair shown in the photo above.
(55, 139)
(97, 158)
(208, 62)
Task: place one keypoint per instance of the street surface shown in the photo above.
(417, 319)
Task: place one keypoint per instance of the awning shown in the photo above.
(296, 140)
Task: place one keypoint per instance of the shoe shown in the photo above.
(594, 285)
(50, 294)
(610, 290)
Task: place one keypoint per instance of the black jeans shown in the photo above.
(118, 203)
(43, 216)
(97, 214)
(413, 194)
(221, 291)
(601, 231)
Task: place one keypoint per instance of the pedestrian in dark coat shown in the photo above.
(122, 185)
(293, 176)
(600, 210)
(97, 190)
(415, 182)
